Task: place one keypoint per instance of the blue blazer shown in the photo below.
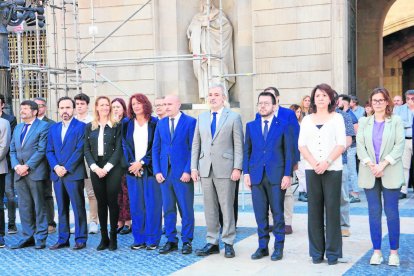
(273, 156)
(128, 145)
(33, 150)
(68, 153)
(289, 116)
(177, 149)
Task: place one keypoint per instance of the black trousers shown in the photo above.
(324, 196)
(106, 192)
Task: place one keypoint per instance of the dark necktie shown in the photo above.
(24, 131)
(213, 124)
(266, 129)
(172, 128)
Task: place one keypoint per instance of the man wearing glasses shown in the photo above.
(406, 112)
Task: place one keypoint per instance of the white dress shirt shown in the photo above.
(101, 148)
(218, 115)
(65, 128)
(176, 118)
(270, 120)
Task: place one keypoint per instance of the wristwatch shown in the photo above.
(142, 162)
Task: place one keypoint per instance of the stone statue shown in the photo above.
(202, 42)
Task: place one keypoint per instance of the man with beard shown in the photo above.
(269, 141)
(65, 156)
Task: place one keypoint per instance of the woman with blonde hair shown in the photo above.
(103, 150)
(380, 145)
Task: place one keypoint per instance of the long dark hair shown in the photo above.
(121, 102)
(141, 98)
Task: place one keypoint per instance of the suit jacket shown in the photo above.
(128, 145)
(289, 116)
(177, 150)
(224, 151)
(48, 120)
(68, 153)
(273, 156)
(5, 135)
(392, 148)
(33, 151)
(12, 120)
(112, 144)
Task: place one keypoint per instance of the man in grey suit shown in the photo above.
(5, 133)
(50, 205)
(28, 158)
(217, 158)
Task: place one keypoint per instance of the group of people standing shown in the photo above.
(152, 164)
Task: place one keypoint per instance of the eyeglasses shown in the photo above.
(264, 104)
(380, 101)
(410, 99)
(41, 105)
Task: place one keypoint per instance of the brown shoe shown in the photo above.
(288, 229)
(345, 233)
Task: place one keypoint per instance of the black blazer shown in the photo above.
(129, 146)
(112, 144)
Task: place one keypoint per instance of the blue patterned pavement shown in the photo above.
(362, 267)
(29, 261)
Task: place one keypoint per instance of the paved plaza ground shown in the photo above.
(356, 248)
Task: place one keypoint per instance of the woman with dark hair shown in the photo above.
(300, 172)
(321, 142)
(124, 221)
(144, 192)
(103, 152)
(380, 146)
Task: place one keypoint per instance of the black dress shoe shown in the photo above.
(187, 248)
(288, 229)
(317, 260)
(59, 246)
(402, 196)
(79, 246)
(125, 230)
(168, 247)
(260, 253)
(277, 254)
(27, 243)
(229, 251)
(332, 261)
(104, 244)
(208, 249)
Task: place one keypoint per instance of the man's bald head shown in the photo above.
(398, 100)
(172, 105)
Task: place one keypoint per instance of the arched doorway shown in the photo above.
(408, 74)
(370, 16)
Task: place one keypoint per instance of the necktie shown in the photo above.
(213, 124)
(266, 129)
(24, 131)
(172, 128)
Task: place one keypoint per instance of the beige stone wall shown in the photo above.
(290, 44)
(298, 44)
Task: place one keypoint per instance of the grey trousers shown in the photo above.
(219, 191)
(32, 208)
(50, 204)
(344, 206)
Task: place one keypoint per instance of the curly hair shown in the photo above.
(146, 104)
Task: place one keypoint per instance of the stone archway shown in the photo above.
(370, 21)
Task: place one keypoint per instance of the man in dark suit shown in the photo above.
(50, 206)
(171, 157)
(9, 190)
(288, 116)
(65, 156)
(27, 155)
(268, 165)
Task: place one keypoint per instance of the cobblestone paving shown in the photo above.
(406, 267)
(29, 261)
